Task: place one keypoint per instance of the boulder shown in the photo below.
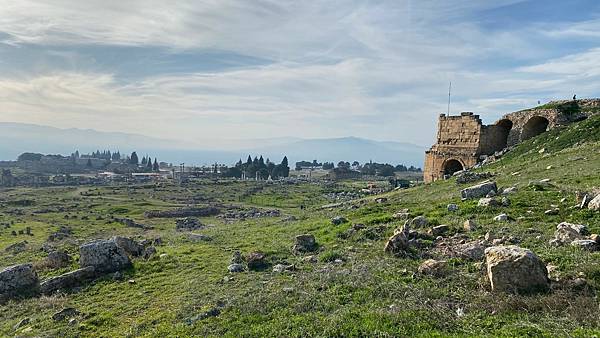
(478, 191)
(130, 246)
(16, 279)
(471, 251)
(104, 255)
(594, 204)
(305, 243)
(434, 268)
(67, 280)
(515, 270)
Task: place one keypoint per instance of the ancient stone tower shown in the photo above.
(463, 141)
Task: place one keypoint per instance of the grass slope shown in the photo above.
(369, 294)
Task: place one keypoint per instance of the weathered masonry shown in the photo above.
(463, 141)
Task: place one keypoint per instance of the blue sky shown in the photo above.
(202, 71)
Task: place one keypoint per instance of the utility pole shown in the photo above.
(449, 90)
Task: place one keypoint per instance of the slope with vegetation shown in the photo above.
(351, 287)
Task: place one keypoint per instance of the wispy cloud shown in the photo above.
(378, 69)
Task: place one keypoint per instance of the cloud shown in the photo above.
(376, 69)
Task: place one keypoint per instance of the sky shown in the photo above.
(205, 70)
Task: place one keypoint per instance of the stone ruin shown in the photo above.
(463, 141)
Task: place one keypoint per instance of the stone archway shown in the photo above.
(534, 126)
(451, 166)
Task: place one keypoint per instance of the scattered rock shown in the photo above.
(501, 218)
(452, 207)
(478, 191)
(256, 261)
(505, 201)
(552, 212)
(515, 270)
(234, 268)
(199, 237)
(212, 312)
(62, 233)
(419, 222)
(510, 190)
(281, 268)
(402, 215)
(149, 252)
(470, 225)
(470, 177)
(104, 256)
(398, 243)
(434, 268)
(188, 224)
(381, 200)
(586, 244)
(305, 243)
(16, 279)
(595, 204)
(488, 202)
(338, 220)
(439, 230)
(237, 258)
(568, 232)
(17, 247)
(64, 314)
(58, 259)
(67, 280)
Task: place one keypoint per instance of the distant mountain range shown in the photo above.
(16, 138)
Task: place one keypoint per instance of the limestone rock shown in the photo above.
(586, 244)
(17, 278)
(470, 225)
(434, 268)
(472, 251)
(67, 280)
(104, 255)
(515, 270)
(510, 190)
(398, 243)
(234, 268)
(338, 220)
(305, 243)
(188, 224)
(501, 218)
(419, 222)
(488, 202)
(568, 232)
(594, 204)
(439, 230)
(478, 191)
(281, 268)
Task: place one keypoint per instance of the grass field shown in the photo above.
(367, 293)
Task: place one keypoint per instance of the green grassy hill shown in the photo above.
(352, 288)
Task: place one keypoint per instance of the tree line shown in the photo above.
(259, 168)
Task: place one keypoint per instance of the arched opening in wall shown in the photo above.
(535, 126)
(505, 126)
(452, 166)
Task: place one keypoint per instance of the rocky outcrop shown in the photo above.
(104, 255)
(434, 268)
(515, 270)
(568, 232)
(594, 204)
(398, 244)
(479, 191)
